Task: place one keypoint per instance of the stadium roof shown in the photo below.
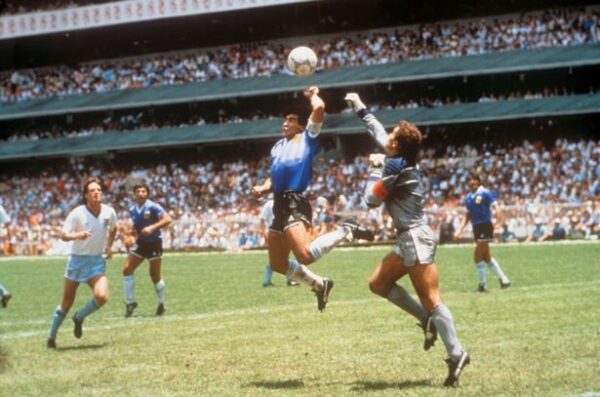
(503, 62)
(263, 129)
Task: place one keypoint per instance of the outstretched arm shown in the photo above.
(315, 121)
(374, 127)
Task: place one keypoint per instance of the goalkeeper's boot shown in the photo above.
(160, 309)
(455, 368)
(429, 332)
(358, 232)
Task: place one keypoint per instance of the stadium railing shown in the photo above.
(334, 124)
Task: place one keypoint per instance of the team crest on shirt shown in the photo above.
(478, 200)
(146, 214)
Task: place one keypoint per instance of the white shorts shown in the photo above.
(416, 246)
(82, 268)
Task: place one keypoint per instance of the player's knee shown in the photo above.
(127, 272)
(101, 297)
(377, 288)
(304, 257)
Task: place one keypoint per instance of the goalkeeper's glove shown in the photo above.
(354, 100)
(377, 160)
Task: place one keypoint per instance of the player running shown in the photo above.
(92, 228)
(396, 181)
(291, 173)
(148, 218)
(480, 203)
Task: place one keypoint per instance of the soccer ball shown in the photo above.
(302, 61)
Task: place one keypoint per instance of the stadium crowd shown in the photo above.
(143, 122)
(540, 189)
(536, 30)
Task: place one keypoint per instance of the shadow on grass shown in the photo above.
(380, 385)
(81, 347)
(3, 360)
(278, 384)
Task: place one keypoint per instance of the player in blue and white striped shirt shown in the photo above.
(148, 218)
(480, 202)
(291, 173)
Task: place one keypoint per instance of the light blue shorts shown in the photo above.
(82, 268)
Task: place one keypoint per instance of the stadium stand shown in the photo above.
(190, 160)
(529, 178)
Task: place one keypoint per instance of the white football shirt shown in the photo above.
(80, 219)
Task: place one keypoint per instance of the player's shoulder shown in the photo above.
(78, 210)
(107, 208)
(153, 204)
(395, 165)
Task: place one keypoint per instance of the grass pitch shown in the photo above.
(225, 335)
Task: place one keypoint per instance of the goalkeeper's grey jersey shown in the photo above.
(403, 182)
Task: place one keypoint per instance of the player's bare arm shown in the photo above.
(70, 236)
(497, 211)
(261, 190)
(466, 220)
(164, 221)
(109, 242)
(316, 103)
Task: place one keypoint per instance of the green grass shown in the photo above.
(225, 335)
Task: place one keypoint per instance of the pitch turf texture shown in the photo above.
(225, 335)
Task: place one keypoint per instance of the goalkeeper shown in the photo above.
(397, 182)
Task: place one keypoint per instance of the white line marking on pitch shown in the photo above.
(122, 322)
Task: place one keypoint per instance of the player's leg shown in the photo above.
(99, 286)
(279, 251)
(159, 284)
(383, 283)
(68, 297)
(268, 276)
(424, 278)
(5, 295)
(296, 238)
(495, 268)
(315, 249)
(481, 246)
(133, 260)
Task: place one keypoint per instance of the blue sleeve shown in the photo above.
(312, 142)
(158, 210)
(394, 166)
(491, 197)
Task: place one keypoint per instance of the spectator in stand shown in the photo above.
(558, 231)
(538, 233)
(507, 235)
(562, 27)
